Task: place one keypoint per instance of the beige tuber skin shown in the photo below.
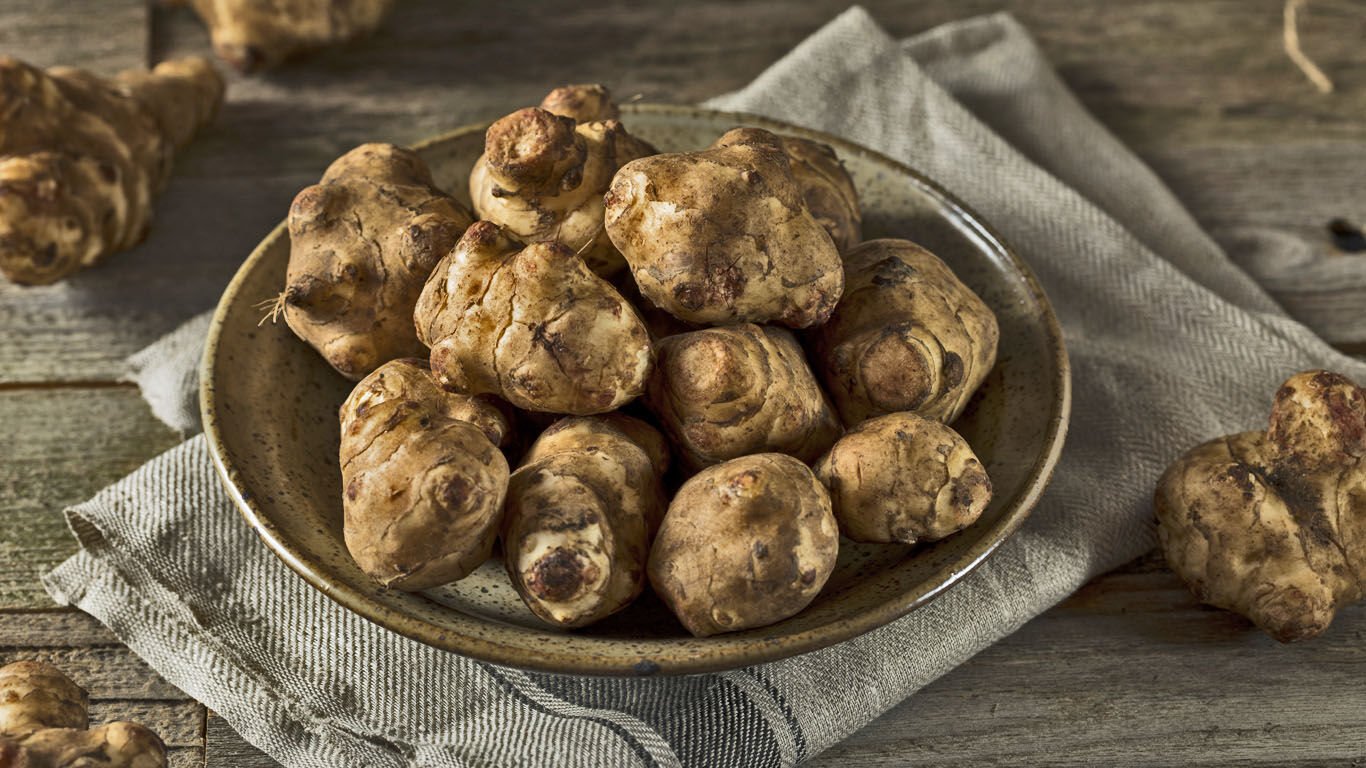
(723, 235)
(726, 392)
(827, 189)
(825, 186)
(252, 35)
(533, 325)
(744, 544)
(1273, 524)
(581, 511)
(82, 157)
(542, 175)
(362, 243)
(582, 103)
(423, 477)
(903, 478)
(907, 336)
(44, 718)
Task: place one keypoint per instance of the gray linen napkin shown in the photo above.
(1170, 344)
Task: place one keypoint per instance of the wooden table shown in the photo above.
(1129, 671)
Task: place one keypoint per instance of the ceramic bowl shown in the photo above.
(270, 413)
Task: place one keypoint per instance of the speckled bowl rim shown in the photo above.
(725, 656)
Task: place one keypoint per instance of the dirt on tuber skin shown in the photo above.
(252, 35)
(744, 544)
(533, 325)
(44, 723)
(542, 175)
(83, 156)
(725, 392)
(724, 236)
(581, 511)
(903, 478)
(907, 336)
(423, 479)
(362, 243)
(825, 186)
(1272, 524)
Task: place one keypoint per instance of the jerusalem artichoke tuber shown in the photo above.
(423, 480)
(903, 478)
(531, 324)
(744, 544)
(907, 336)
(362, 243)
(581, 511)
(723, 235)
(44, 720)
(726, 392)
(1273, 524)
(252, 35)
(82, 156)
(542, 176)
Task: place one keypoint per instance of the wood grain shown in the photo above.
(104, 36)
(1173, 78)
(74, 442)
(1129, 671)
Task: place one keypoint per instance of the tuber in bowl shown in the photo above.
(270, 414)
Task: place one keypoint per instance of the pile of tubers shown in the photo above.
(45, 723)
(724, 376)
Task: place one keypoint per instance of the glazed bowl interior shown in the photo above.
(270, 414)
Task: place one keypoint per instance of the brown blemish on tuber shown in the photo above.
(252, 35)
(907, 336)
(533, 325)
(82, 156)
(726, 392)
(1273, 524)
(744, 544)
(723, 235)
(542, 175)
(362, 243)
(827, 189)
(423, 479)
(904, 478)
(44, 720)
(581, 511)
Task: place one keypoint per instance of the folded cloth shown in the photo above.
(1170, 344)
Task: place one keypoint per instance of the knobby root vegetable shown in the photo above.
(907, 336)
(82, 156)
(533, 325)
(252, 35)
(581, 511)
(904, 478)
(827, 189)
(1273, 524)
(424, 480)
(44, 718)
(362, 243)
(542, 175)
(744, 544)
(723, 235)
(726, 392)
(582, 103)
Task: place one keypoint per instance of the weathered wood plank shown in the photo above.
(222, 746)
(1079, 686)
(61, 446)
(1133, 671)
(105, 36)
(1175, 78)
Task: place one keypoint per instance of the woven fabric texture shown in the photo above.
(1170, 344)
